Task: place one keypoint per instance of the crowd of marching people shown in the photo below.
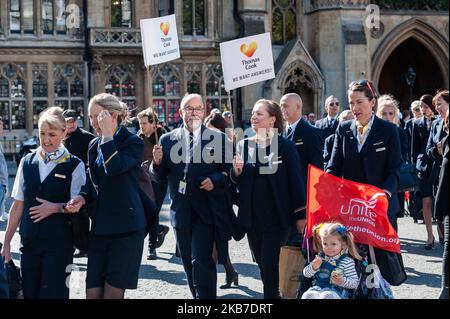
(110, 188)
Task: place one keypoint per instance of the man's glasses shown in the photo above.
(334, 104)
(191, 109)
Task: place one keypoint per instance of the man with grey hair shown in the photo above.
(329, 124)
(197, 182)
(309, 144)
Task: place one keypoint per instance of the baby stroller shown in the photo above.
(372, 285)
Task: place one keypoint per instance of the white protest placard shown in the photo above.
(247, 60)
(159, 40)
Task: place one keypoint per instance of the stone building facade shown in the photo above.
(61, 52)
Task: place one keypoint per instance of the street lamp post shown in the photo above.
(410, 79)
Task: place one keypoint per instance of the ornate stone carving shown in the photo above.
(433, 5)
(327, 4)
(115, 37)
(377, 33)
(97, 63)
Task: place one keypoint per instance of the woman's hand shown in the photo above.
(105, 122)
(316, 263)
(75, 204)
(238, 164)
(44, 210)
(6, 252)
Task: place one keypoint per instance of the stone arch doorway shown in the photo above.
(410, 53)
(300, 78)
(415, 43)
(300, 83)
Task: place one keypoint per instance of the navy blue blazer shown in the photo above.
(209, 162)
(287, 183)
(309, 143)
(419, 138)
(379, 159)
(437, 133)
(326, 127)
(112, 187)
(403, 143)
(327, 149)
(442, 201)
(408, 131)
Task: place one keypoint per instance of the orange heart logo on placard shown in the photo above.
(165, 27)
(249, 50)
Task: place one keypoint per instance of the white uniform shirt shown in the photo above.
(78, 176)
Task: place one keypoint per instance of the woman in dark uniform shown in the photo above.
(388, 110)
(441, 207)
(267, 172)
(367, 150)
(45, 181)
(118, 221)
(421, 132)
(434, 149)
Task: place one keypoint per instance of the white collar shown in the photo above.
(331, 118)
(294, 125)
(196, 132)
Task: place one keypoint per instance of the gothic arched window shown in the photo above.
(216, 96)
(284, 21)
(194, 78)
(68, 85)
(120, 82)
(166, 87)
(40, 90)
(12, 95)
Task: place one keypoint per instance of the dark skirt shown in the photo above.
(115, 260)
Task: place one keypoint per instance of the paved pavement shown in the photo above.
(164, 278)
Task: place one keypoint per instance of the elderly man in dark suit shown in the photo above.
(193, 159)
(329, 123)
(308, 141)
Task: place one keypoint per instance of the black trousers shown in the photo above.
(160, 190)
(195, 246)
(46, 266)
(445, 255)
(265, 246)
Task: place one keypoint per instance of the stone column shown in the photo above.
(140, 85)
(148, 90)
(98, 74)
(29, 101)
(253, 13)
(4, 17)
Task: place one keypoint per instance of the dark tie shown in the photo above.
(332, 122)
(191, 146)
(289, 133)
(99, 160)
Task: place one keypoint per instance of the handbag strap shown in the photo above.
(372, 255)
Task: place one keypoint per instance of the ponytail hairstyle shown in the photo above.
(274, 110)
(337, 230)
(110, 103)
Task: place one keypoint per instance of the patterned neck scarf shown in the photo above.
(59, 156)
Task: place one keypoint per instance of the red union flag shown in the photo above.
(360, 207)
